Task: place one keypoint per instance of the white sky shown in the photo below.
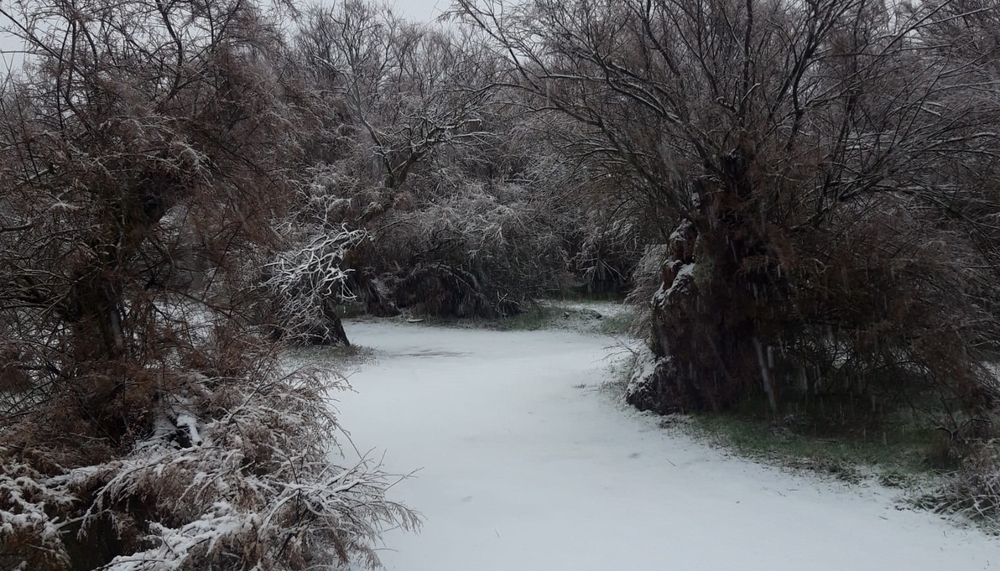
(7, 45)
(422, 10)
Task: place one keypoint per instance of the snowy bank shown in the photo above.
(525, 465)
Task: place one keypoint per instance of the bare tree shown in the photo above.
(799, 145)
(409, 88)
(417, 103)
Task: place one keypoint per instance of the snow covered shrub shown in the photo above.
(482, 251)
(646, 279)
(237, 471)
(887, 306)
(608, 246)
(143, 423)
(874, 302)
(445, 175)
(306, 282)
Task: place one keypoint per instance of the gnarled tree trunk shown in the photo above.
(722, 296)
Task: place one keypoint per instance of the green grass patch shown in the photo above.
(896, 452)
(546, 315)
(618, 324)
(579, 296)
(534, 319)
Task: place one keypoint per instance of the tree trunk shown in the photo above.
(329, 330)
(723, 292)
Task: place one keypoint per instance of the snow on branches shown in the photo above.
(306, 281)
(264, 490)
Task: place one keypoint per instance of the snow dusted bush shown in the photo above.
(464, 211)
(306, 282)
(975, 491)
(608, 246)
(237, 473)
(143, 424)
(483, 251)
(646, 280)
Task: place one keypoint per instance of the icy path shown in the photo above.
(524, 470)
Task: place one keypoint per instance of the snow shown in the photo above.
(683, 228)
(685, 273)
(190, 423)
(526, 465)
(642, 370)
(604, 308)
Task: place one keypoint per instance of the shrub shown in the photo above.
(484, 251)
(305, 283)
(974, 492)
(235, 472)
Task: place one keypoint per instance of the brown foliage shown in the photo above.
(827, 159)
(151, 427)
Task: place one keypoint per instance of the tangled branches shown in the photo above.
(306, 282)
(237, 474)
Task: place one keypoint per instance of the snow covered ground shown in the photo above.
(525, 465)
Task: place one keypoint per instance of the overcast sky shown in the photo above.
(423, 9)
(7, 44)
